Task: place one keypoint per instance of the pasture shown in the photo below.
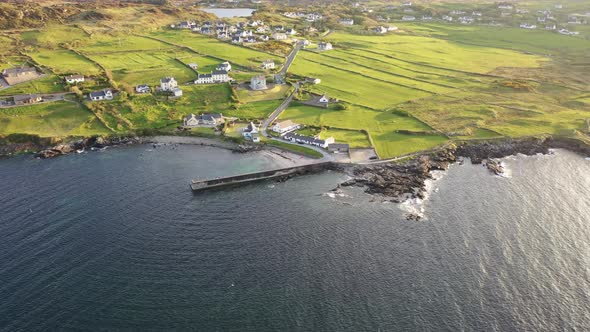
(50, 120)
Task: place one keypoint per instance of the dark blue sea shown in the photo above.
(115, 240)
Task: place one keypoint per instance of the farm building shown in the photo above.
(193, 66)
(105, 94)
(324, 99)
(258, 82)
(19, 75)
(168, 84)
(26, 99)
(73, 79)
(346, 21)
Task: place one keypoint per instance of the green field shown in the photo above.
(50, 120)
(62, 61)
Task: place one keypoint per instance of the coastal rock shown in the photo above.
(92, 142)
(494, 166)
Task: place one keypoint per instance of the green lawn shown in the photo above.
(254, 110)
(277, 92)
(50, 120)
(63, 61)
(299, 149)
(47, 84)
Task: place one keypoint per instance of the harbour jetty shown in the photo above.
(199, 185)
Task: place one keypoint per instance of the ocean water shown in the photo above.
(115, 240)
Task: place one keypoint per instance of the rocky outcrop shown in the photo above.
(86, 143)
(399, 181)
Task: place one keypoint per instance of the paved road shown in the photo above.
(290, 58)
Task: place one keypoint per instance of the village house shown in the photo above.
(216, 76)
(528, 26)
(426, 18)
(105, 94)
(551, 27)
(250, 40)
(322, 46)
(19, 75)
(279, 28)
(268, 64)
(279, 36)
(447, 18)
(73, 79)
(338, 148)
(206, 119)
(291, 32)
(26, 99)
(285, 126)
(251, 133)
(236, 39)
(258, 82)
(324, 99)
(408, 18)
(143, 88)
(297, 138)
(346, 21)
(225, 66)
(193, 66)
(177, 92)
(167, 84)
(264, 38)
(263, 29)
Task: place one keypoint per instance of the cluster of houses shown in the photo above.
(243, 32)
(309, 17)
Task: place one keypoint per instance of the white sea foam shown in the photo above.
(416, 206)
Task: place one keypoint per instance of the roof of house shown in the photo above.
(305, 139)
(19, 98)
(100, 93)
(19, 70)
(205, 76)
(251, 127)
(286, 123)
(189, 117)
(219, 72)
(167, 80)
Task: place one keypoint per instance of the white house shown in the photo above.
(191, 120)
(528, 26)
(193, 66)
(279, 36)
(291, 32)
(268, 64)
(258, 83)
(251, 133)
(297, 138)
(220, 76)
(324, 46)
(72, 79)
(168, 83)
(226, 66)
(143, 88)
(204, 79)
(380, 29)
(177, 92)
(324, 99)
(207, 119)
(346, 21)
(105, 94)
(408, 18)
(285, 126)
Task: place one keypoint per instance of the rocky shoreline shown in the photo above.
(93, 143)
(397, 182)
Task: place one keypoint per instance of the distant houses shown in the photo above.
(73, 79)
(346, 21)
(26, 99)
(285, 126)
(105, 94)
(279, 36)
(168, 84)
(258, 83)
